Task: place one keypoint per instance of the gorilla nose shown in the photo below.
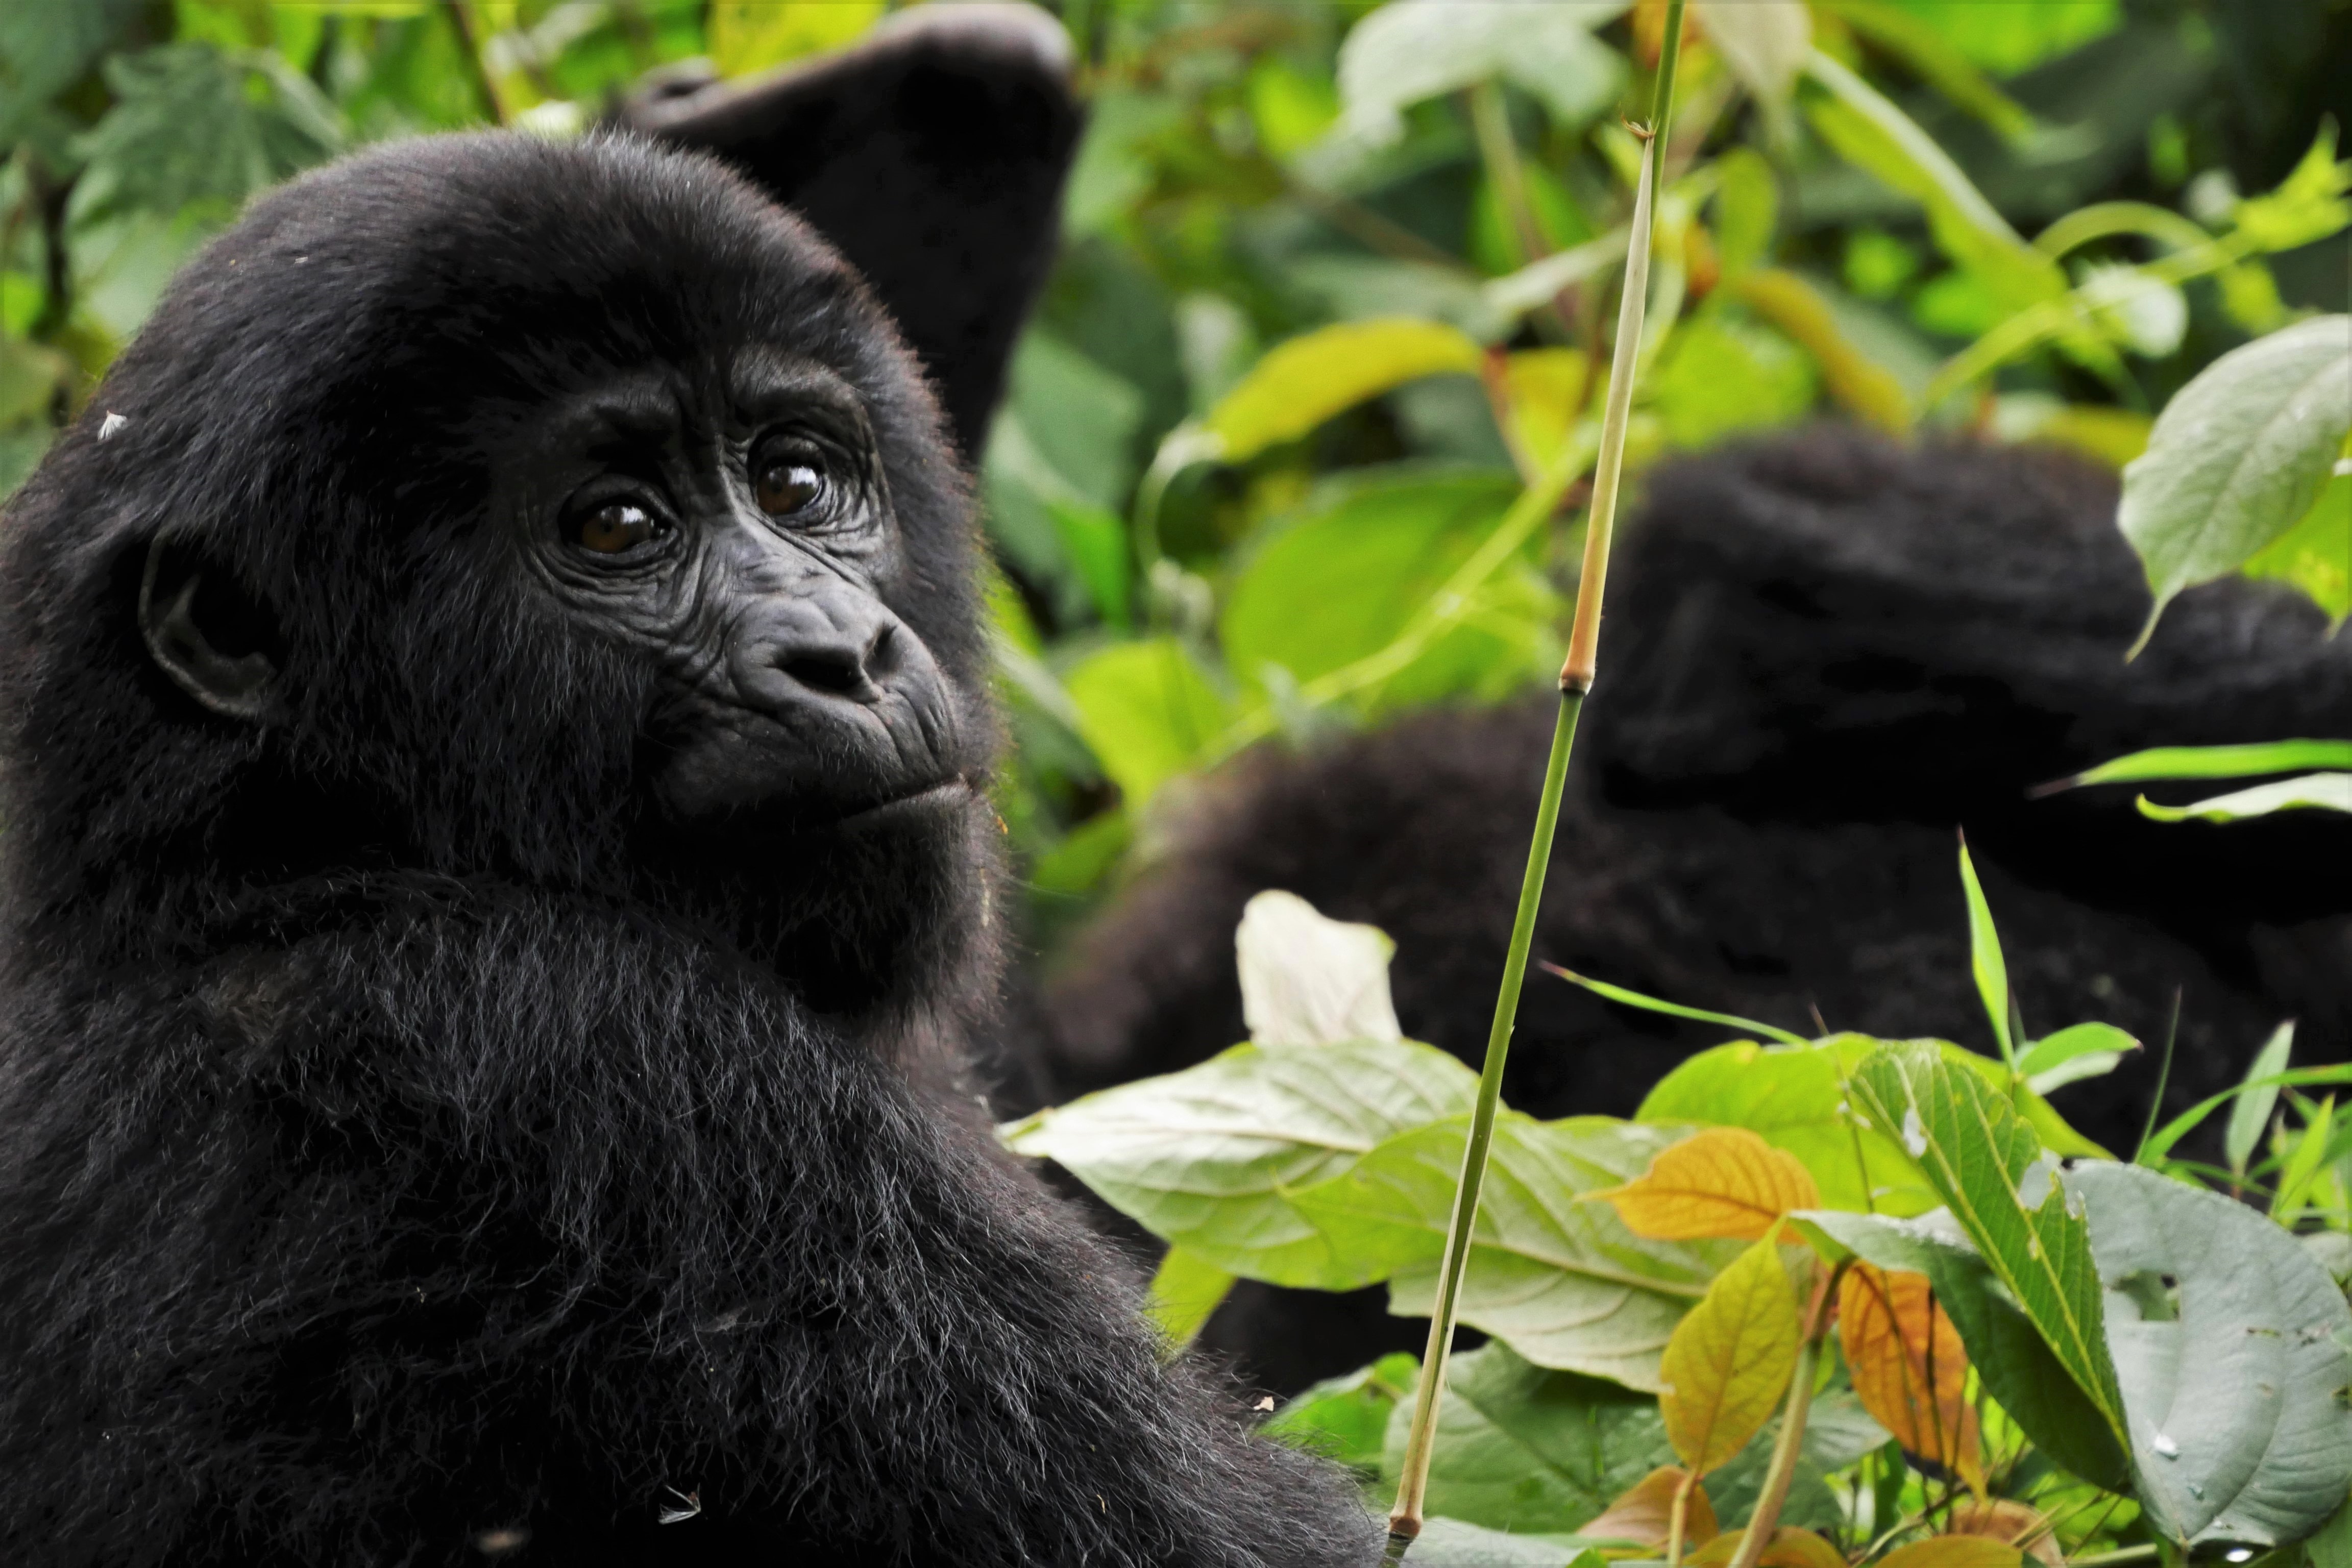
(836, 645)
(838, 667)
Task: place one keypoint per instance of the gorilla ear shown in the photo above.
(931, 154)
(205, 633)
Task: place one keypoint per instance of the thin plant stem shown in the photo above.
(1679, 1519)
(1790, 1442)
(1575, 680)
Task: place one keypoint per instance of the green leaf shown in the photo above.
(2316, 555)
(1347, 579)
(2239, 455)
(1747, 210)
(1993, 1174)
(1985, 961)
(1185, 1290)
(2259, 1096)
(2009, 38)
(196, 127)
(2235, 1394)
(1346, 1419)
(752, 35)
(1302, 383)
(1672, 1009)
(1764, 42)
(2324, 792)
(1922, 47)
(1564, 1283)
(1451, 1543)
(1414, 49)
(1207, 1158)
(1526, 1449)
(2018, 1366)
(2160, 1143)
(2083, 1050)
(1307, 980)
(1721, 375)
(1869, 131)
(1148, 711)
(1793, 1097)
(1729, 1361)
(2213, 762)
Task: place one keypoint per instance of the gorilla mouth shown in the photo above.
(939, 794)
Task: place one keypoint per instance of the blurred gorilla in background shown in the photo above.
(496, 730)
(1822, 654)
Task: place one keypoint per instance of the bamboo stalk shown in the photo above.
(1575, 680)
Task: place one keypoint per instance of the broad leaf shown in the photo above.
(2239, 455)
(1764, 42)
(1908, 1366)
(1346, 1419)
(1788, 1548)
(1148, 711)
(1307, 980)
(1522, 1449)
(752, 35)
(1987, 1166)
(2235, 1392)
(1723, 1183)
(1953, 1551)
(2324, 792)
(198, 128)
(1414, 49)
(2073, 1054)
(1729, 1361)
(1302, 383)
(1204, 1158)
(2316, 555)
(1452, 1544)
(1564, 1283)
(2018, 1366)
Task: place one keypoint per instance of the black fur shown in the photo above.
(1822, 655)
(410, 1151)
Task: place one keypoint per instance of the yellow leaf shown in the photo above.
(1788, 1548)
(1729, 1360)
(752, 35)
(1644, 1513)
(1909, 1368)
(1723, 1182)
(1868, 391)
(1547, 392)
(1303, 381)
(2011, 1523)
(1953, 1551)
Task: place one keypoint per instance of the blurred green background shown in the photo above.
(1298, 437)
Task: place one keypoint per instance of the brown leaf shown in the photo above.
(1644, 1513)
(1909, 1368)
(2013, 1522)
(1953, 1551)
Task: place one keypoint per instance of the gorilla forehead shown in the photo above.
(439, 276)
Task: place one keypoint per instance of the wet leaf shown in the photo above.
(1729, 1360)
(1724, 1182)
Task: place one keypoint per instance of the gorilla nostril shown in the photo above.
(882, 655)
(834, 671)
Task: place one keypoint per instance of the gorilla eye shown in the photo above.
(784, 488)
(616, 528)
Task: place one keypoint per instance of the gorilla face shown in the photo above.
(737, 528)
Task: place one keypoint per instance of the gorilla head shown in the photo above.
(494, 737)
(623, 553)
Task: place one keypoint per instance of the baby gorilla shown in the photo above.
(496, 860)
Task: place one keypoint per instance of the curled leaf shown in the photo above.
(1643, 1513)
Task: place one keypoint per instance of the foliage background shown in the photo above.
(1243, 182)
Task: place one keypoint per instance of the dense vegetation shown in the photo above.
(1303, 437)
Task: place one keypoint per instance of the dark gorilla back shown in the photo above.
(421, 1136)
(1824, 654)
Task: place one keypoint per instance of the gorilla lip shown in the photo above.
(914, 799)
